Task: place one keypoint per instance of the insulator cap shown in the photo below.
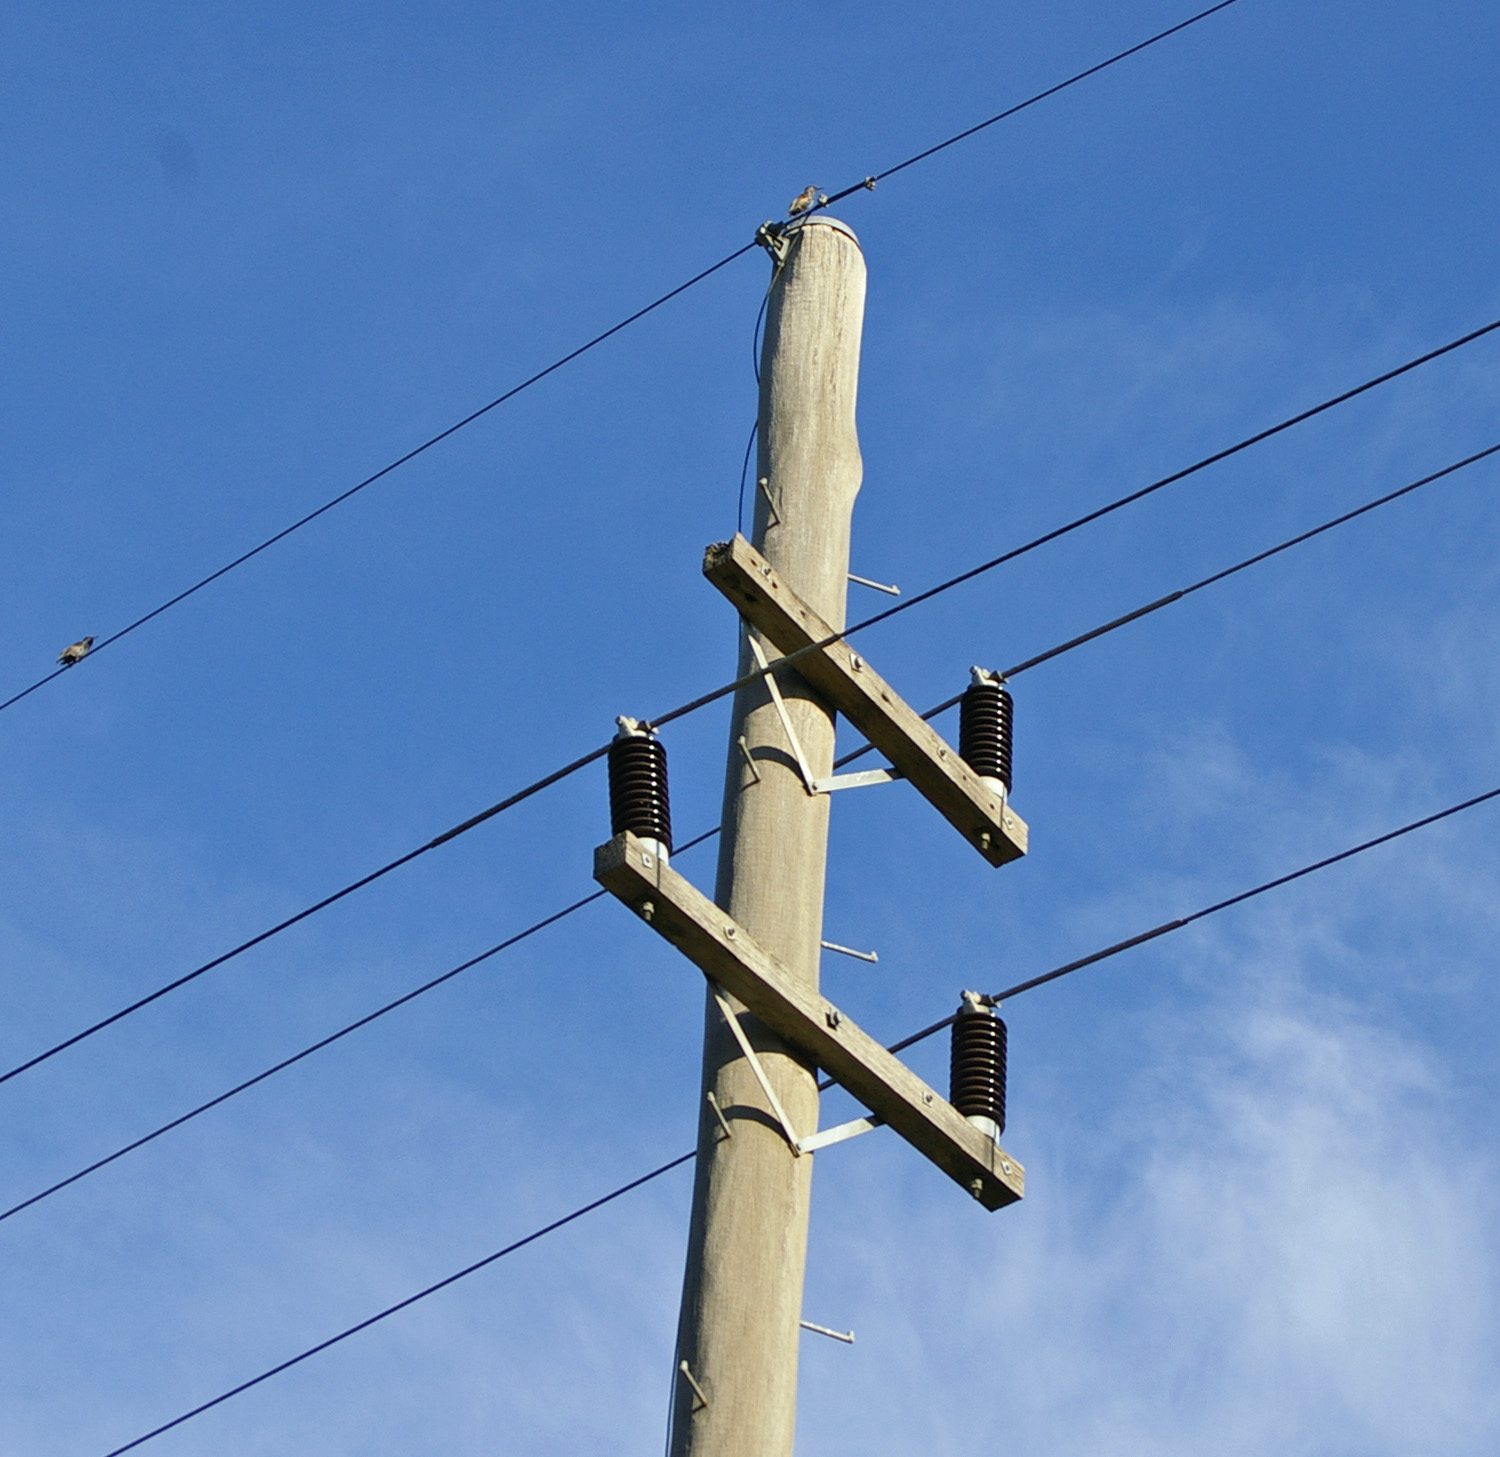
(986, 722)
(977, 1066)
(638, 799)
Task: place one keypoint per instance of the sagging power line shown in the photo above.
(662, 1169)
(99, 644)
(1037, 659)
(693, 705)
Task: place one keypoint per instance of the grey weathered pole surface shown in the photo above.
(742, 1293)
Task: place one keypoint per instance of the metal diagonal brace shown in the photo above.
(799, 1146)
(860, 779)
(808, 782)
(732, 1017)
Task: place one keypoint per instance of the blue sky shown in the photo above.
(252, 254)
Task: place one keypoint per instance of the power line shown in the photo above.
(1049, 655)
(1088, 518)
(1167, 927)
(582, 349)
(384, 471)
(656, 1173)
(181, 981)
(295, 1058)
(323, 1042)
(1020, 106)
(704, 700)
(390, 1310)
(1148, 608)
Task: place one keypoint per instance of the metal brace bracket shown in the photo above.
(732, 1017)
(808, 782)
(814, 1031)
(847, 1337)
(860, 779)
(799, 1146)
(772, 236)
(841, 1132)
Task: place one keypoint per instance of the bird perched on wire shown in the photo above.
(75, 652)
(803, 200)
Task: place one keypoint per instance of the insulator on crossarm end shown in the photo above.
(986, 728)
(638, 799)
(977, 1065)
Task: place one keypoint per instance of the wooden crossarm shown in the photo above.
(730, 958)
(842, 677)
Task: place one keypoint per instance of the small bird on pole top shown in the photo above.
(75, 652)
(803, 200)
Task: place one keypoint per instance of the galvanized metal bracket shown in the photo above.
(840, 1133)
(772, 236)
(732, 1018)
(860, 779)
(799, 1146)
(759, 653)
(847, 1337)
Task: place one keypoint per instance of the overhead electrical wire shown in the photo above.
(410, 1300)
(380, 474)
(1168, 927)
(1049, 655)
(598, 339)
(1089, 517)
(1030, 101)
(1146, 609)
(306, 1052)
(704, 700)
(324, 1042)
(662, 1169)
(181, 981)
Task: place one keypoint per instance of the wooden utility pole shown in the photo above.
(758, 942)
(742, 1292)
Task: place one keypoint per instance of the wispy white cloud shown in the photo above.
(1292, 1250)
